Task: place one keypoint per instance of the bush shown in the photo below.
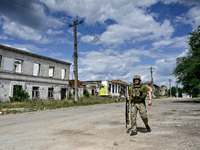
(20, 95)
(86, 93)
(69, 94)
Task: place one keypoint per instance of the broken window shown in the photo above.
(8, 64)
(63, 72)
(36, 69)
(63, 94)
(15, 88)
(0, 61)
(18, 65)
(50, 92)
(51, 71)
(35, 92)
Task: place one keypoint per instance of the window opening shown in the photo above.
(63, 72)
(51, 71)
(15, 87)
(36, 69)
(63, 94)
(35, 92)
(50, 92)
(18, 65)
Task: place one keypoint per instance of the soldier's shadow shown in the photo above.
(139, 129)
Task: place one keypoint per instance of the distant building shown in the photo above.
(114, 88)
(163, 90)
(42, 77)
(156, 89)
(81, 88)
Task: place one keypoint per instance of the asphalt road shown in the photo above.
(175, 125)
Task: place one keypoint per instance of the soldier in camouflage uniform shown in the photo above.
(137, 95)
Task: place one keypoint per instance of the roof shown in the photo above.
(32, 54)
(72, 82)
(119, 81)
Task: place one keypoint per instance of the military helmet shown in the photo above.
(136, 77)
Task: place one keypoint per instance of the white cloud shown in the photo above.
(165, 66)
(110, 64)
(54, 32)
(130, 17)
(186, 2)
(194, 16)
(183, 54)
(3, 37)
(24, 32)
(103, 65)
(177, 42)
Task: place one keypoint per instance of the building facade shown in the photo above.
(42, 77)
(114, 88)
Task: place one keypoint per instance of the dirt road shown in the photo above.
(175, 125)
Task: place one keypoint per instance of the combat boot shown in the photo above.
(133, 133)
(148, 128)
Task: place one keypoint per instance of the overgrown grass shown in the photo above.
(19, 107)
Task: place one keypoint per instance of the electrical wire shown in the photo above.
(72, 19)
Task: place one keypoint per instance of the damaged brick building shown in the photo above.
(42, 77)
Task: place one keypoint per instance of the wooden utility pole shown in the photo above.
(151, 70)
(170, 87)
(75, 58)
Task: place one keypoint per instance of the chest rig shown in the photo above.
(137, 95)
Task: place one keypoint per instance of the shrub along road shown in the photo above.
(175, 124)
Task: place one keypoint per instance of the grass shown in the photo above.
(20, 107)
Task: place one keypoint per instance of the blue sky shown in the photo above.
(117, 39)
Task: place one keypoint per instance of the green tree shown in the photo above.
(86, 93)
(180, 92)
(187, 69)
(173, 91)
(20, 95)
(69, 94)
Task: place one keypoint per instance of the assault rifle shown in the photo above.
(127, 111)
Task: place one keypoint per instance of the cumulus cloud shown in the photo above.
(111, 64)
(24, 32)
(26, 20)
(177, 42)
(165, 66)
(130, 18)
(193, 17)
(103, 65)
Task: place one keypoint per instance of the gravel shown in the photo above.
(175, 125)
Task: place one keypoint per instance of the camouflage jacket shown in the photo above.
(138, 93)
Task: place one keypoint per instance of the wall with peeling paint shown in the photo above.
(17, 67)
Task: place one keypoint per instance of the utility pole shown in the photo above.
(170, 87)
(151, 70)
(75, 58)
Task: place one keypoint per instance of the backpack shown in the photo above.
(137, 94)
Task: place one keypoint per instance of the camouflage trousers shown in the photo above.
(135, 107)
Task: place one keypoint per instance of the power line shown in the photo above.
(35, 11)
(102, 42)
(71, 18)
